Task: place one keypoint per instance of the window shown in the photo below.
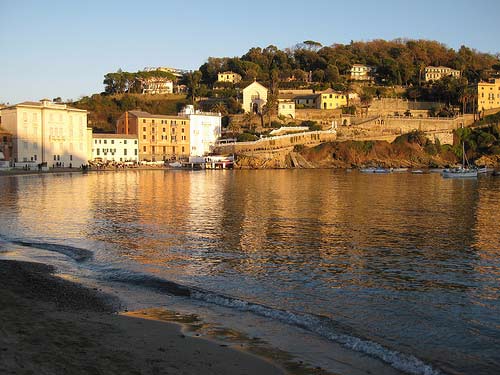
(112, 141)
(124, 141)
(144, 129)
(135, 152)
(182, 130)
(25, 117)
(144, 121)
(71, 157)
(125, 152)
(144, 149)
(135, 142)
(144, 136)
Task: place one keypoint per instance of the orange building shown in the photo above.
(160, 137)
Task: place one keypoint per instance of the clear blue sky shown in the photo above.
(63, 48)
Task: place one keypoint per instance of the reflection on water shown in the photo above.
(409, 261)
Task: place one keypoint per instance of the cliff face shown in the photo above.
(377, 153)
(354, 154)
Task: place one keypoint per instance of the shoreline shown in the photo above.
(51, 325)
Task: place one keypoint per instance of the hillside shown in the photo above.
(412, 150)
(104, 110)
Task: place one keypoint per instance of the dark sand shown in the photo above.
(52, 326)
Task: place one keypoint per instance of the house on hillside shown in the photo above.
(360, 72)
(254, 97)
(230, 77)
(435, 73)
(286, 107)
(156, 85)
(488, 94)
(327, 99)
(331, 99)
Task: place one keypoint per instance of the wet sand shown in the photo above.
(52, 326)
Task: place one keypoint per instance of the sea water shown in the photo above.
(348, 271)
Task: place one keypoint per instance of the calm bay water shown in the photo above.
(407, 262)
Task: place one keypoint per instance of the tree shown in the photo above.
(193, 84)
(220, 107)
(331, 74)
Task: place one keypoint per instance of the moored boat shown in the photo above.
(462, 172)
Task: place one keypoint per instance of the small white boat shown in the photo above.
(175, 164)
(399, 170)
(375, 170)
(462, 172)
(484, 170)
(417, 171)
(367, 170)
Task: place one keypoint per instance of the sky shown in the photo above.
(53, 48)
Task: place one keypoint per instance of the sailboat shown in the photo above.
(464, 171)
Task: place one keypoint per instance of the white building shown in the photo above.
(254, 97)
(204, 130)
(115, 147)
(361, 72)
(435, 73)
(286, 108)
(46, 132)
(157, 85)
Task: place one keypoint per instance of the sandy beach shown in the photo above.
(53, 326)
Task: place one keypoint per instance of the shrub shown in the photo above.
(246, 137)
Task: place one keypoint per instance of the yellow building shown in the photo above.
(328, 99)
(331, 99)
(160, 137)
(228, 77)
(488, 94)
(435, 73)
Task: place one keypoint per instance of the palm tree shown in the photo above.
(219, 107)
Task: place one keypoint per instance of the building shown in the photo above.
(46, 132)
(435, 73)
(230, 77)
(5, 147)
(160, 137)
(328, 99)
(205, 130)
(156, 85)
(115, 147)
(361, 72)
(488, 94)
(175, 71)
(254, 97)
(331, 99)
(286, 107)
